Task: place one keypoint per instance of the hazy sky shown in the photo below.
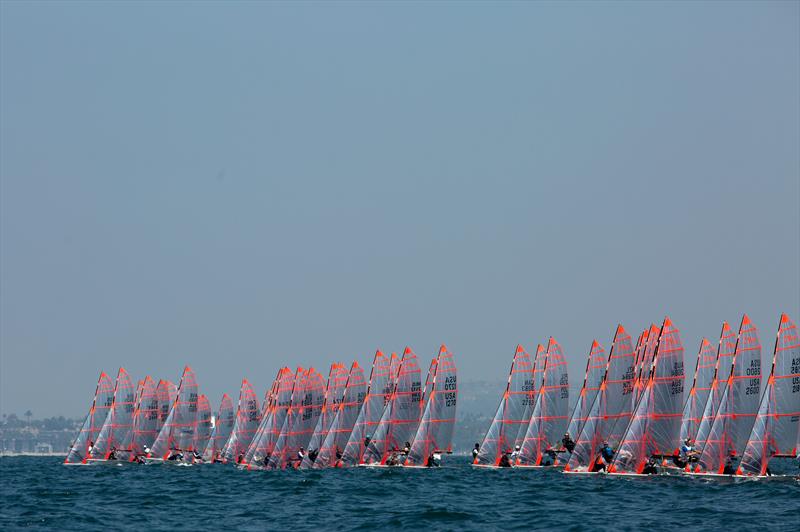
(240, 186)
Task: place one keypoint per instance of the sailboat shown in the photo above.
(269, 430)
(722, 370)
(334, 394)
(381, 382)
(300, 420)
(549, 418)
(509, 419)
(536, 372)
(400, 418)
(248, 416)
(655, 425)
(344, 419)
(777, 426)
(738, 406)
(146, 422)
(701, 388)
(611, 405)
(115, 434)
(596, 365)
(177, 435)
(84, 442)
(435, 433)
(223, 426)
(203, 428)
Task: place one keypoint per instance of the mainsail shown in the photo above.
(334, 391)
(202, 432)
(549, 418)
(177, 434)
(146, 422)
(722, 370)
(509, 420)
(435, 432)
(344, 419)
(655, 424)
(611, 404)
(223, 426)
(535, 378)
(701, 387)
(775, 431)
(248, 417)
(380, 388)
(595, 372)
(738, 404)
(268, 432)
(400, 418)
(116, 431)
(84, 441)
(300, 421)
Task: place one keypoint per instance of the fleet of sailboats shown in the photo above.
(632, 416)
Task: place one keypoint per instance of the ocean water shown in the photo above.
(38, 492)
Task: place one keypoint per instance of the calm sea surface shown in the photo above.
(38, 492)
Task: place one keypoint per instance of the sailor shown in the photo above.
(146, 450)
(112, 454)
(475, 451)
(505, 461)
(266, 460)
(607, 452)
(240, 458)
(91, 447)
(598, 465)
(730, 464)
(367, 441)
(300, 454)
(515, 455)
(312, 455)
(688, 453)
(567, 442)
(338, 453)
(429, 461)
(406, 448)
(197, 456)
(650, 467)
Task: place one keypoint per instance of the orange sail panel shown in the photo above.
(509, 419)
(248, 416)
(344, 419)
(84, 441)
(381, 383)
(435, 432)
(549, 418)
(738, 404)
(116, 431)
(401, 416)
(611, 404)
(655, 425)
(775, 431)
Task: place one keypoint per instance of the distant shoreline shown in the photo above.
(10, 453)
